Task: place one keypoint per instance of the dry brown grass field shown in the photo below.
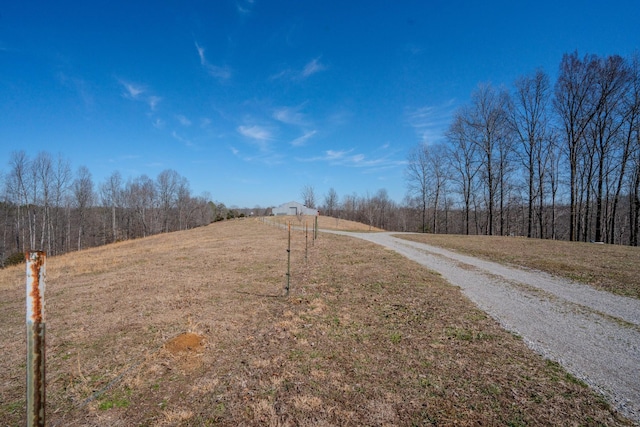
(613, 268)
(193, 329)
(324, 223)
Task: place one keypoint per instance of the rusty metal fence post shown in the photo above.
(36, 269)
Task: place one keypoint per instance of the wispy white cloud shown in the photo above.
(200, 50)
(314, 66)
(255, 132)
(293, 116)
(281, 75)
(336, 154)
(184, 121)
(348, 158)
(331, 156)
(302, 140)
(138, 92)
(220, 73)
(265, 157)
(290, 116)
(158, 123)
(430, 122)
(79, 86)
(257, 135)
(132, 90)
(181, 139)
(153, 102)
(244, 7)
(205, 122)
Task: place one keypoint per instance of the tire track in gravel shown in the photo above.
(594, 335)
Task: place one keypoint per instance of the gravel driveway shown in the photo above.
(595, 335)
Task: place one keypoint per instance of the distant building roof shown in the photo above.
(294, 208)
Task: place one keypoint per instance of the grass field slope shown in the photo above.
(193, 329)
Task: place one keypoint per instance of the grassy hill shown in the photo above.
(192, 328)
(324, 223)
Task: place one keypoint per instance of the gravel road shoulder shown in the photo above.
(594, 335)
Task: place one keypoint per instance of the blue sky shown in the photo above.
(252, 100)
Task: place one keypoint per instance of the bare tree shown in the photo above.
(43, 171)
(330, 202)
(349, 202)
(168, 184)
(418, 179)
(528, 119)
(464, 160)
(381, 205)
(186, 204)
(438, 166)
(630, 136)
(61, 182)
(489, 120)
(308, 195)
(83, 198)
(575, 107)
(19, 193)
(611, 82)
(634, 193)
(140, 199)
(111, 195)
(553, 180)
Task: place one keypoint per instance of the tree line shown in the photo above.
(559, 161)
(543, 160)
(45, 206)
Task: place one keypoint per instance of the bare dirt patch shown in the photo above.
(187, 342)
(366, 337)
(613, 268)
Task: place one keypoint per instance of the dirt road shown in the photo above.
(594, 335)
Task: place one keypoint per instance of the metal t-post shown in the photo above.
(36, 261)
(288, 261)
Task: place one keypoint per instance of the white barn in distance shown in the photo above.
(294, 208)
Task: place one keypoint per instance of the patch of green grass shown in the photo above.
(296, 354)
(13, 407)
(575, 380)
(467, 335)
(396, 337)
(493, 389)
(459, 333)
(113, 403)
(517, 421)
(118, 400)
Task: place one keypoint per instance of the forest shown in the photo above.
(45, 206)
(539, 159)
